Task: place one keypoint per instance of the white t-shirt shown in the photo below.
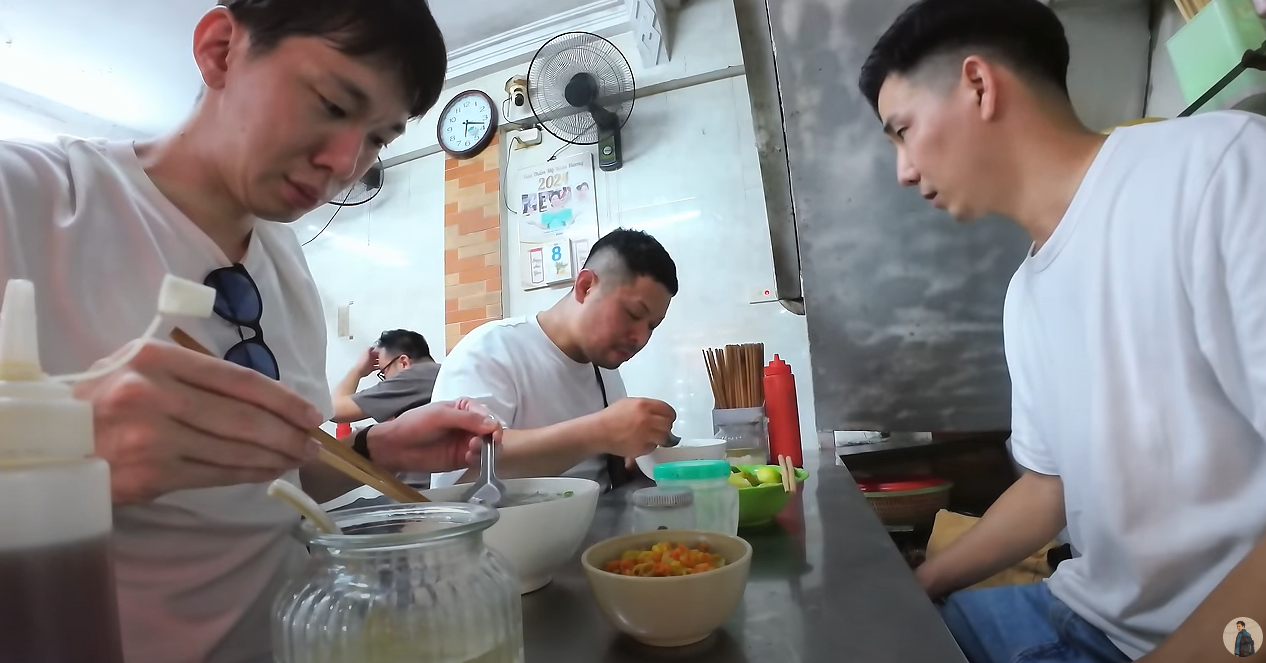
(513, 368)
(1136, 340)
(197, 571)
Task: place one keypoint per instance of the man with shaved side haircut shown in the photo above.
(553, 378)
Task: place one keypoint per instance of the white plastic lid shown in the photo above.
(40, 420)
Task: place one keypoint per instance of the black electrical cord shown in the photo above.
(505, 177)
(327, 223)
(555, 155)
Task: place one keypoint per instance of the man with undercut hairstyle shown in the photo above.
(1135, 334)
(553, 378)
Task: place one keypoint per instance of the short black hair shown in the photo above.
(400, 34)
(408, 343)
(1025, 35)
(1240, 624)
(639, 254)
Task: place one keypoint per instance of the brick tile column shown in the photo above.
(472, 243)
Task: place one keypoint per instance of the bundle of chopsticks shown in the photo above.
(736, 373)
(1189, 8)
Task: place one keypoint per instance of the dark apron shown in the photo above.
(617, 473)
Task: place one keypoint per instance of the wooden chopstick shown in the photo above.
(345, 467)
(788, 472)
(1189, 8)
(712, 380)
(383, 481)
(334, 453)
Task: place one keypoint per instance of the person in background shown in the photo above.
(553, 378)
(406, 374)
(300, 96)
(1133, 334)
(1244, 646)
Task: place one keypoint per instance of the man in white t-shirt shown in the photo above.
(1135, 337)
(552, 378)
(300, 96)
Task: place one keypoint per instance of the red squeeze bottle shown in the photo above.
(783, 414)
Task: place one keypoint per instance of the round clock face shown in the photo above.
(467, 124)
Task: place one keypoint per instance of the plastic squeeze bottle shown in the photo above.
(783, 412)
(57, 600)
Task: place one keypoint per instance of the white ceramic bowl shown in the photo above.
(536, 538)
(685, 450)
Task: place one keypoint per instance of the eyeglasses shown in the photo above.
(382, 372)
(237, 300)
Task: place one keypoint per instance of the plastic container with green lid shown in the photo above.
(716, 499)
(1211, 45)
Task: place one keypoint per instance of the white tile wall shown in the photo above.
(387, 257)
(705, 39)
(1107, 74)
(691, 178)
(25, 115)
(1164, 96)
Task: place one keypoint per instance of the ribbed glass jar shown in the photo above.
(404, 582)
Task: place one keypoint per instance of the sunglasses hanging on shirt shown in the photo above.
(238, 301)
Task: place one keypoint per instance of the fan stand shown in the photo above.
(610, 154)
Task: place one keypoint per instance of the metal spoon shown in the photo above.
(672, 441)
(488, 489)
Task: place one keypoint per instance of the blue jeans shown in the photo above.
(1024, 624)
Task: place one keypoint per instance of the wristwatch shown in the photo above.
(360, 443)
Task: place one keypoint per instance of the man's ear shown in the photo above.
(213, 38)
(981, 79)
(586, 284)
(405, 362)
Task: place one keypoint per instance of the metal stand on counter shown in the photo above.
(1253, 59)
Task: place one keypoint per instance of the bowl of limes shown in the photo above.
(760, 491)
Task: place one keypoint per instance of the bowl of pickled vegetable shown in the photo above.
(668, 588)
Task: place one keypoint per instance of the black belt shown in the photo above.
(618, 473)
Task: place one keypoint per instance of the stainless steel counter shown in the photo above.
(827, 585)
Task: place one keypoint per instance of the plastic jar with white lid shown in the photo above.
(661, 507)
(715, 498)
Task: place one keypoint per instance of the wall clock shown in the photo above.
(468, 124)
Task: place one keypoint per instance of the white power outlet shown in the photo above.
(345, 321)
(526, 138)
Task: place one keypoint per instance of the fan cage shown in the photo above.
(554, 66)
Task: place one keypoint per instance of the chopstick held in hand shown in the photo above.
(334, 453)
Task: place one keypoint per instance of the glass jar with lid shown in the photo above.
(660, 507)
(715, 498)
(404, 582)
